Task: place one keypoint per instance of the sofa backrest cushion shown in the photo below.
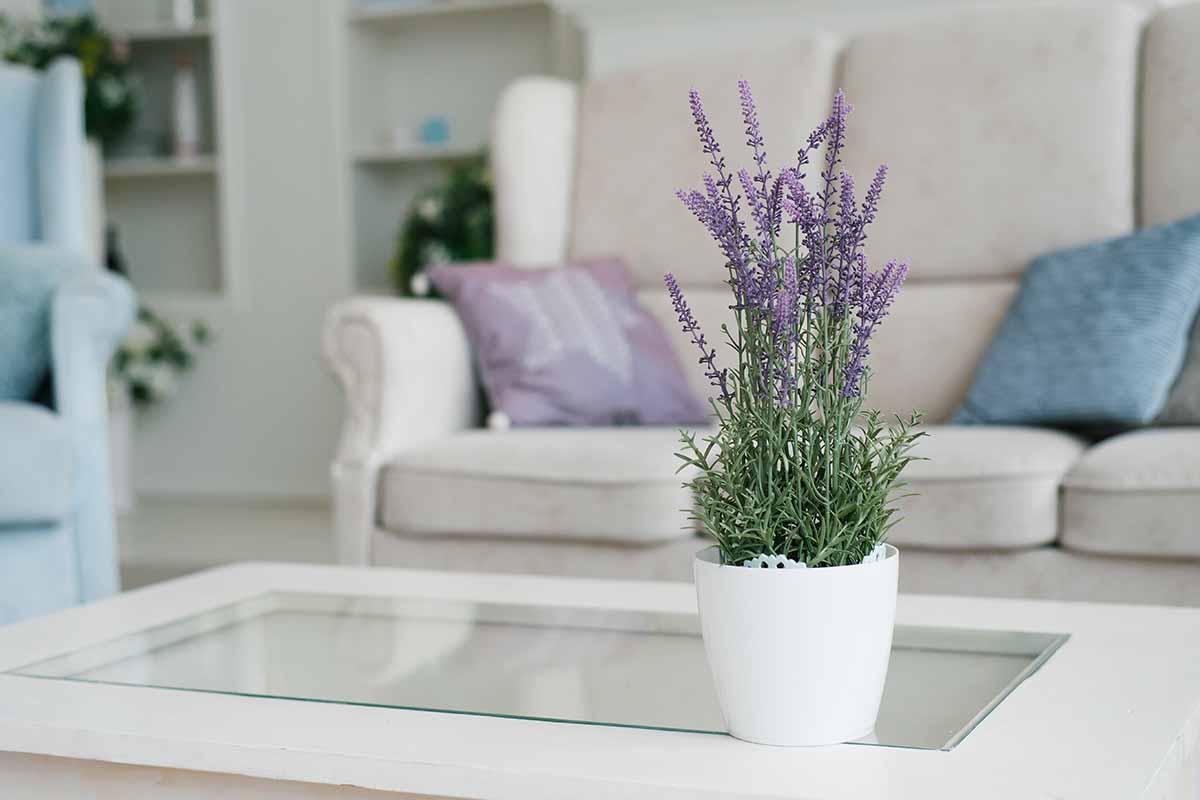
(924, 357)
(61, 164)
(42, 155)
(637, 145)
(533, 161)
(1170, 135)
(18, 188)
(1009, 132)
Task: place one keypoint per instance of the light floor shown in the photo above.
(164, 538)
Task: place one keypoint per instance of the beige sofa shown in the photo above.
(1009, 133)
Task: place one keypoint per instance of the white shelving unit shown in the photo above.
(407, 62)
(386, 155)
(160, 167)
(170, 212)
(163, 32)
(383, 12)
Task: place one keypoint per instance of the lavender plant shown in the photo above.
(796, 468)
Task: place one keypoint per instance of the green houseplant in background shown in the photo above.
(111, 95)
(152, 356)
(451, 222)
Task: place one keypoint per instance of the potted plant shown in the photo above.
(450, 222)
(798, 482)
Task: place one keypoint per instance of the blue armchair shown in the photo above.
(61, 316)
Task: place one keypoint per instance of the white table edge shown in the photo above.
(462, 756)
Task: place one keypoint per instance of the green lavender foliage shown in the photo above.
(816, 480)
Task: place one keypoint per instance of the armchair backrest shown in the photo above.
(1009, 132)
(42, 156)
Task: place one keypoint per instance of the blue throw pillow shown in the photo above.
(1096, 334)
(29, 276)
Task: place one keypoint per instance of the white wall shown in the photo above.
(620, 34)
(259, 415)
(20, 8)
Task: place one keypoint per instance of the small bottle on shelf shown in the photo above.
(186, 133)
(183, 13)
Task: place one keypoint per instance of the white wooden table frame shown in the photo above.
(1114, 713)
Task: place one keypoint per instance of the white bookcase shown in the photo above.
(400, 63)
(411, 60)
(170, 212)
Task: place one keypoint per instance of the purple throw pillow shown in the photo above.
(568, 345)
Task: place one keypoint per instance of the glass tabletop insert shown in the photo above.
(570, 665)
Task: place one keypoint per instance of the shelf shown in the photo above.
(170, 232)
(159, 167)
(413, 153)
(164, 33)
(385, 13)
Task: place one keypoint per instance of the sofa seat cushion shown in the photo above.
(592, 484)
(982, 488)
(1137, 494)
(35, 465)
(985, 488)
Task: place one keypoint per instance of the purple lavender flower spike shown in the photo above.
(788, 297)
(835, 131)
(827, 275)
(712, 212)
(871, 202)
(846, 227)
(847, 208)
(795, 194)
(726, 228)
(815, 138)
(762, 211)
(754, 138)
(761, 198)
(879, 289)
(716, 376)
(707, 140)
(802, 211)
(787, 311)
(696, 203)
(755, 201)
(775, 205)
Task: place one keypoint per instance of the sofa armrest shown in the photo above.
(88, 317)
(405, 368)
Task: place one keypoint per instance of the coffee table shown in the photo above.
(271, 680)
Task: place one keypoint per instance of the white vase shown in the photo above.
(186, 109)
(798, 656)
(183, 13)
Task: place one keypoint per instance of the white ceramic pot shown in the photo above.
(798, 656)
